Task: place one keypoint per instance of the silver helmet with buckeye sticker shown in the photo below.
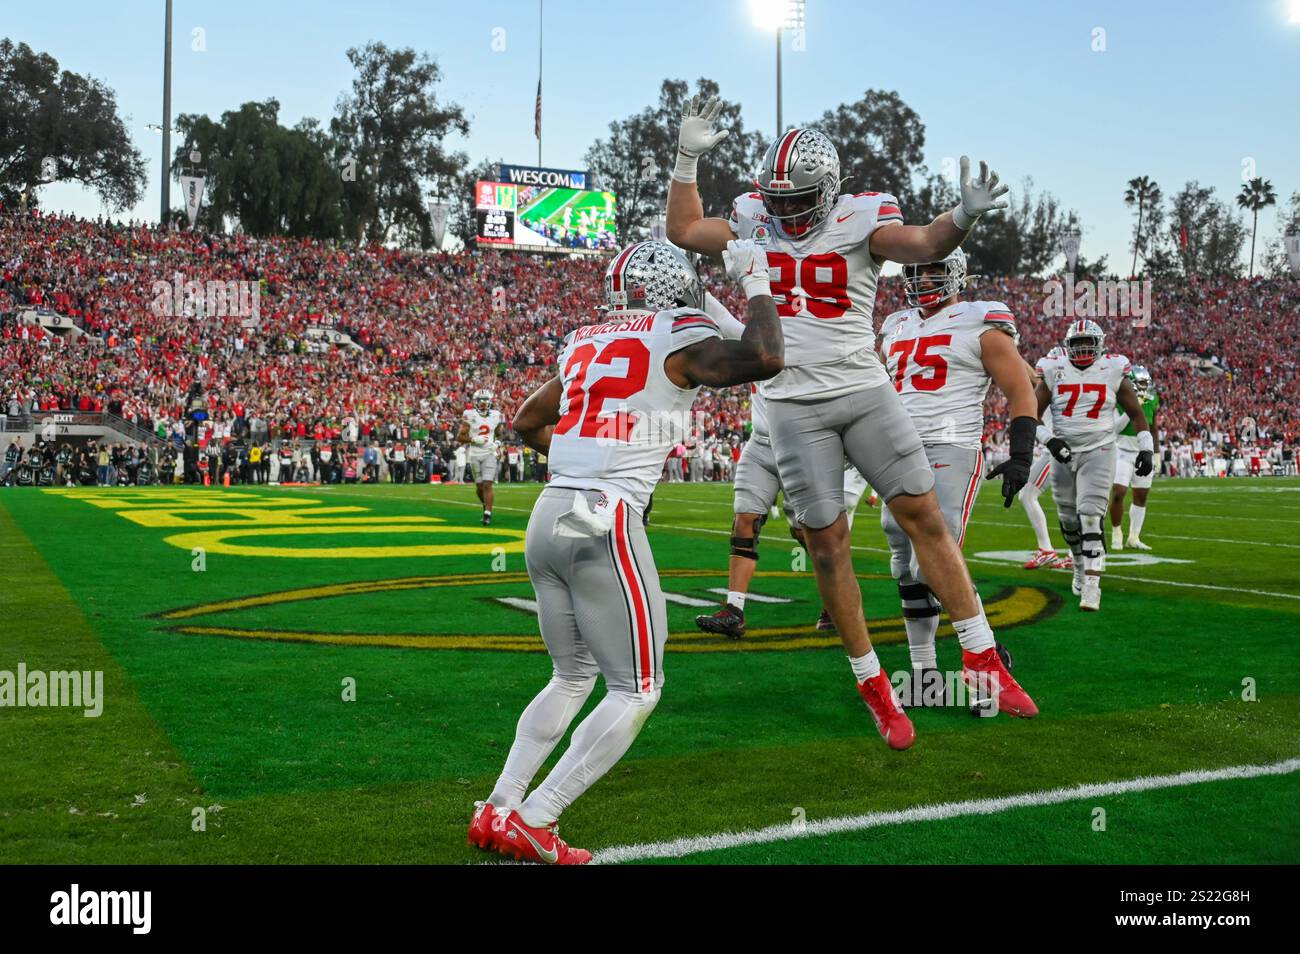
(1084, 342)
(799, 180)
(928, 283)
(652, 276)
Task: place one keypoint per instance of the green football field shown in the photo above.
(548, 206)
(334, 675)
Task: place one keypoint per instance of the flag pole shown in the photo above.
(539, 82)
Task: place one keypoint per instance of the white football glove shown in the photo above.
(746, 263)
(696, 136)
(977, 195)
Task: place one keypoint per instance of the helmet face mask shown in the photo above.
(483, 400)
(799, 180)
(1084, 342)
(926, 284)
(1141, 379)
(651, 276)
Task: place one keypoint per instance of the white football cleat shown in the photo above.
(1137, 544)
(1090, 598)
(1117, 538)
(1076, 585)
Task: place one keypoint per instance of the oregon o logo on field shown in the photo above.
(1011, 607)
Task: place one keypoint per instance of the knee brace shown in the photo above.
(1093, 543)
(1073, 536)
(747, 547)
(918, 602)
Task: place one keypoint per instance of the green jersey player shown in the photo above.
(1126, 444)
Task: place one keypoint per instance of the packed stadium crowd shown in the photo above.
(424, 331)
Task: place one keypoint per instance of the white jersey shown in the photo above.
(620, 414)
(1083, 399)
(825, 289)
(483, 428)
(937, 367)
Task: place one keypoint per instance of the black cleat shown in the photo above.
(924, 689)
(728, 621)
(824, 623)
(1005, 655)
(487, 519)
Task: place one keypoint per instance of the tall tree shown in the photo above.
(1144, 193)
(880, 140)
(389, 133)
(636, 159)
(1255, 195)
(62, 126)
(1207, 237)
(271, 180)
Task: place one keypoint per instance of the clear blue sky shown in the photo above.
(1183, 90)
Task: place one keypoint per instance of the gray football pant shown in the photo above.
(598, 598)
(869, 428)
(958, 473)
(1081, 490)
(601, 610)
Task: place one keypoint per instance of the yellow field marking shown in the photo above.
(215, 541)
(1019, 606)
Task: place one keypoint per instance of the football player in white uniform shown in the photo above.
(481, 428)
(942, 353)
(1046, 554)
(1127, 443)
(606, 422)
(1082, 388)
(833, 400)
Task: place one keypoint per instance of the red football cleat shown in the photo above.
(891, 721)
(1064, 563)
(986, 676)
(728, 621)
(824, 622)
(483, 826)
(542, 845)
(1040, 558)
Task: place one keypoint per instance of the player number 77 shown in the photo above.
(1074, 390)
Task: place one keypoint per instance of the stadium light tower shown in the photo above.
(778, 15)
(166, 126)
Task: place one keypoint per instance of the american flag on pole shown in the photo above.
(537, 113)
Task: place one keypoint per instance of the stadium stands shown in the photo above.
(433, 328)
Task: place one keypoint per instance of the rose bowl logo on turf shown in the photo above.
(497, 611)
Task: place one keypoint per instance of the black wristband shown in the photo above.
(1023, 432)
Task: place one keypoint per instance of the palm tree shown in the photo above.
(1255, 195)
(1143, 193)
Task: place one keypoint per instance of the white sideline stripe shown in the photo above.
(680, 847)
(1168, 536)
(681, 599)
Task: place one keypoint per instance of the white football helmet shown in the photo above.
(1084, 342)
(483, 400)
(923, 287)
(799, 180)
(652, 276)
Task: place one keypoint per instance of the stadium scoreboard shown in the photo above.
(537, 211)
